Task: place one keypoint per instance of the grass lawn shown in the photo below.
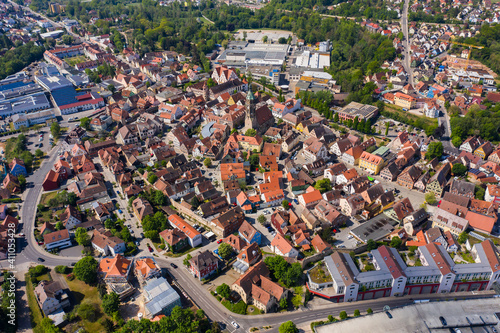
(43, 277)
(47, 196)
(205, 21)
(75, 60)
(252, 310)
(399, 111)
(35, 312)
(180, 254)
(240, 307)
(83, 293)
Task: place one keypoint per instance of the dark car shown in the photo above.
(388, 314)
(73, 264)
(443, 321)
(41, 260)
(173, 265)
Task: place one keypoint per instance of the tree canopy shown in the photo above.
(86, 270)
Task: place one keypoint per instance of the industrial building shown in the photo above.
(243, 54)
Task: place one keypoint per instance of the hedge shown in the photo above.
(11, 200)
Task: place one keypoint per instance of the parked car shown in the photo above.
(235, 324)
(219, 241)
(173, 265)
(388, 314)
(443, 321)
(41, 260)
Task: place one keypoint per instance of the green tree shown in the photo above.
(356, 313)
(22, 180)
(47, 326)
(55, 130)
(371, 245)
(72, 198)
(264, 39)
(225, 250)
(82, 237)
(396, 242)
(86, 270)
(283, 303)
(323, 185)
(109, 224)
(288, 326)
(85, 123)
(261, 219)
(430, 198)
(87, 312)
(207, 162)
(251, 132)
(369, 311)
(456, 141)
(435, 149)
(479, 193)
(343, 315)
(110, 303)
(462, 238)
(59, 225)
(285, 204)
(152, 178)
(38, 153)
(195, 202)
(111, 88)
(223, 290)
(336, 117)
(186, 260)
(459, 169)
(387, 124)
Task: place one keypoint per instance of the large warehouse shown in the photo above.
(242, 54)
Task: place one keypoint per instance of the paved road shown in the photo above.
(406, 42)
(54, 24)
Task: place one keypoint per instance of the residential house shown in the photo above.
(146, 269)
(57, 239)
(371, 163)
(249, 233)
(115, 270)
(281, 246)
(203, 265)
(174, 239)
(194, 236)
(51, 297)
(106, 243)
(409, 176)
(142, 208)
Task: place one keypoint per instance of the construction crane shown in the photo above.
(470, 50)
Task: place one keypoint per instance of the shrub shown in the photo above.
(356, 313)
(343, 315)
(87, 311)
(61, 269)
(369, 311)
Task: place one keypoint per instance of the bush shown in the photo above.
(87, 311)
(38, 270)
(343, 315)
(356, 313)
(61, 269)
(369, 311)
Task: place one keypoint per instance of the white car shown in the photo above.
(235, 324)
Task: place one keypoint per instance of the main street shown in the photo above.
(406, 42)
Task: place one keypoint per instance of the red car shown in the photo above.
(219, 241)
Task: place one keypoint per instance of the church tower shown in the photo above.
(206, 92)
(250, 118)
